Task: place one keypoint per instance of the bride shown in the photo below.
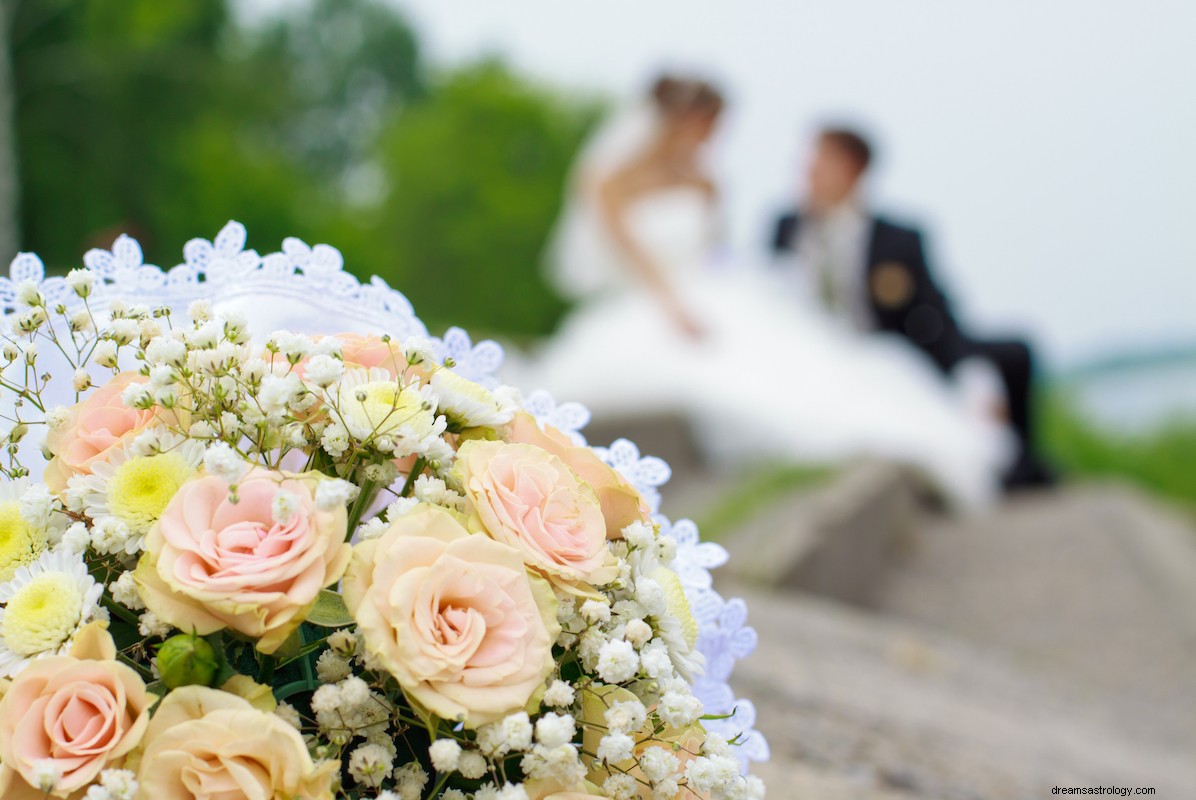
(761, 375)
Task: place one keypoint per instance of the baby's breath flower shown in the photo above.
(224, 462)
(637, 632)
(335, 493)
(200, 310)
(445, 754)
(323, 370)
(554, 730)
(626, 715)
(472, 765)
(150, 625)
(617, 661)
(679, 709)
(615, 747)
(46, 774)
(596, 611)
(288, 714)
(81, 381)
(29, 294)
(370, 764)
(559, 694)
(331, 667)
(105, 353)
(81, 281)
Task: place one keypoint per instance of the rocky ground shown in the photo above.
(1049, 643)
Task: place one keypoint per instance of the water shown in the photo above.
(1138, 397)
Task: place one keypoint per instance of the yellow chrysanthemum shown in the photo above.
(678, 605)
(374, 403)
(43, 614)
(20, 542)
(141, 487)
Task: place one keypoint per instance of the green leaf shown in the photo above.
(330, 611)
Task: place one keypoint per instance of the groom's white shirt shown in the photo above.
(832, 251)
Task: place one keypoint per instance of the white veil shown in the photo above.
(581, 259)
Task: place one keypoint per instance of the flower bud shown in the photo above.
(187, 659)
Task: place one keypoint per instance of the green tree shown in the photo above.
(476, 173)
(167, 119)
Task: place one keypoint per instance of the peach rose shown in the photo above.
(204, 743)
(210, 563)
(96, 425)
(622, 504)
(685, 744)
(524, 496)
(83, 711)
(454, 616)
(363, 352)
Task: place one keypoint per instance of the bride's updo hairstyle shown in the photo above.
(677, 97)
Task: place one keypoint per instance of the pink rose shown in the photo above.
(95, 426)
(204, 743)
(210, 563)
(84, 712)
(456, 617)
(524, 496)
(621, 503)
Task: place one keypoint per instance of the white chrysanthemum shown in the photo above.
(470, 404)
(134, 490)
(24, 533)
(371, 403)
(44, 606)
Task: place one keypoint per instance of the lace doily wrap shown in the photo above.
(306, 290)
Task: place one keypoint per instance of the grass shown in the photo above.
(754, 492)
(1162, 460)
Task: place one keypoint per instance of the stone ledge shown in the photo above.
(834, 541)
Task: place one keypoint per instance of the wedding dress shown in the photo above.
(770, 378)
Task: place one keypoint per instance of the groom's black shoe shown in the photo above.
(1029, 472)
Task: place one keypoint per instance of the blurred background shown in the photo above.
(1046, 147)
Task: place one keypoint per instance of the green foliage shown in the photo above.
(477, 171)
(166, 120)
(1163, 459)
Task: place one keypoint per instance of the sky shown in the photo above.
(1049, 148)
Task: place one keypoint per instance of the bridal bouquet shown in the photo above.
(238, 563)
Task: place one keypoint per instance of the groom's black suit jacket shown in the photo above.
(902, 293)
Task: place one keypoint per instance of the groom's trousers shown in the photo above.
(1015, 361)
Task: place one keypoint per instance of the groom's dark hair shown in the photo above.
(851, 142)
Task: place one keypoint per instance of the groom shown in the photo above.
(874, 275)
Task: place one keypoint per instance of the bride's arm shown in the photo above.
(614, 195)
